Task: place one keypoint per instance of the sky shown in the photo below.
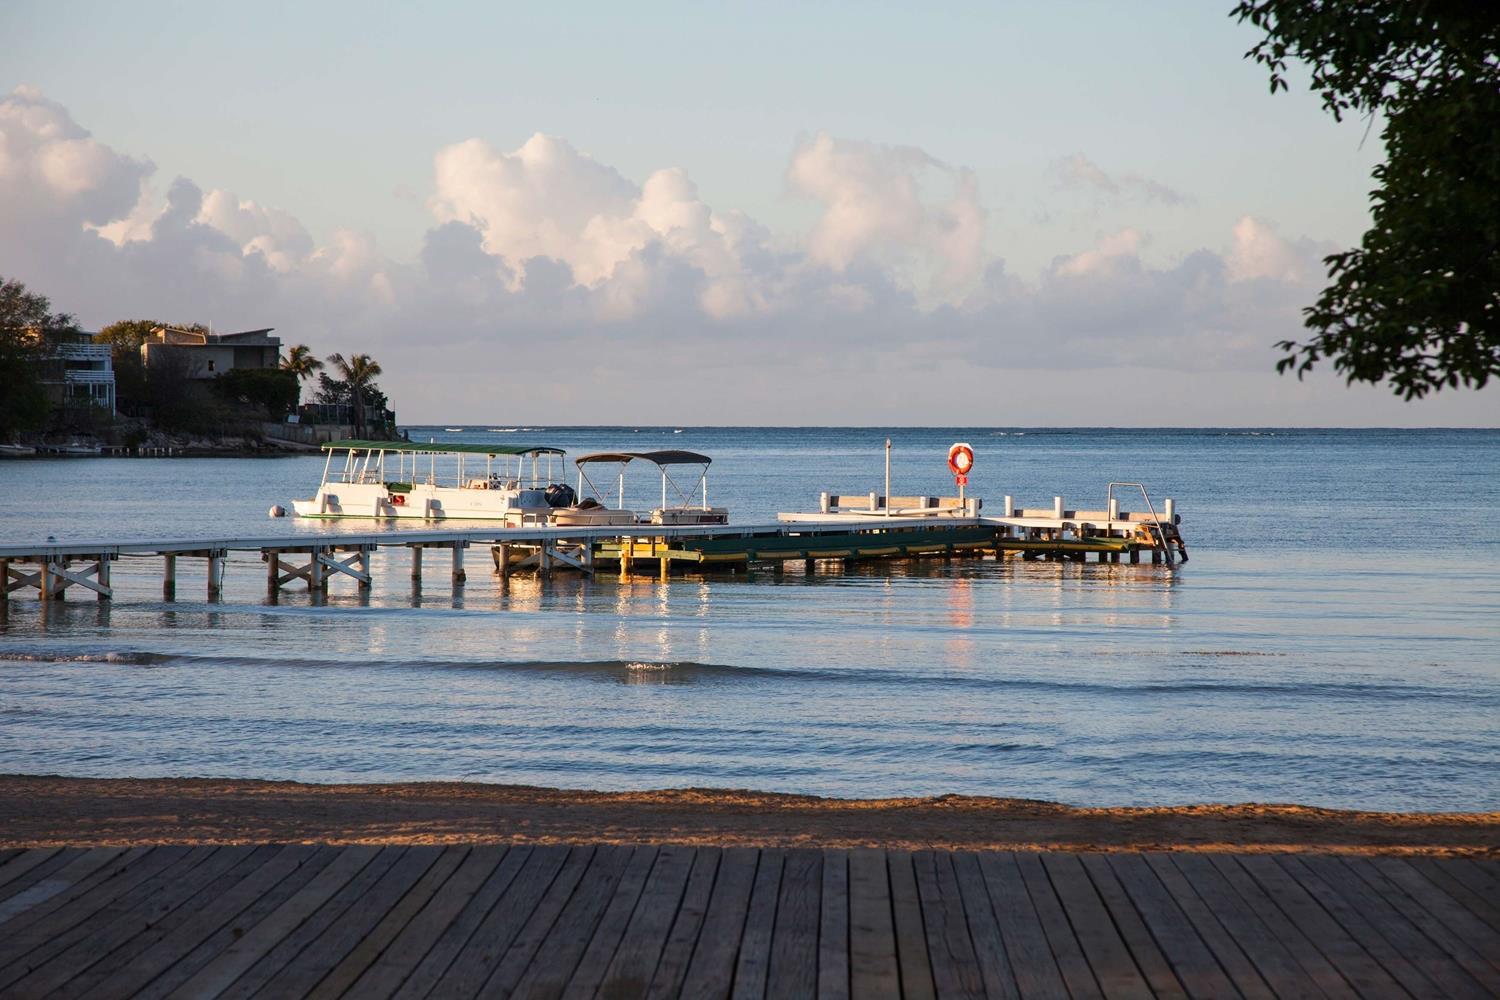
(706, 213)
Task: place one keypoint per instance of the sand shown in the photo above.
(38, 811)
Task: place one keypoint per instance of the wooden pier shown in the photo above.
(314, 560)
(558, 920)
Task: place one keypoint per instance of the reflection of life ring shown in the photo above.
(397, 499)
(961, 459)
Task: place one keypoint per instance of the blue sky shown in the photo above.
(908, 200)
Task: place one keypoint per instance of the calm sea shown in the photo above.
(1335, 639)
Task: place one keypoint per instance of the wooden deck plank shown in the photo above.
(1353, 961)
(1191, 959)
(710, 972)
(176, 955)
(27, 862)
(289, 949)
(533, 933)
(833, 926)
(873, 968)
(1403, 938)
(45, 883)
(1107, 954)
(1439, 928)
(600, 953)
(753, 963)
(634, 961)
(473, 966)
(911, 932)
(343, 935)
(1274, 962)
(406, 950)
(1479, 879)
(950, 946)
(1226, 951)
(95, 938)
(989, 947)
(405, 890)
(1438, 901)
(1071, 961)
(1026, 945)
(794, 942)
(1312, 961)
(687, 925)
(559, 953)
(219, 973)
(262, 905)
(33, 936)
(1447, 876)
(465, 921)
(1137, 936)
(245, 858)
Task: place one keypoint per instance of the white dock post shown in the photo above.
(1169, 510)
(1057, 507)
(169, 577)
(1114, 508)
(273, 572)
(215, 575)
(873, 498)
(416, 563)
(824, 503)
(315, 579)
(1010, 506)
(458, 562)
(363, 563)
(102, 575)
(48, 580)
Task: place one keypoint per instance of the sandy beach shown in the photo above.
(40, 811)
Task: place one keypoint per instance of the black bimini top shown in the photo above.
(654, 457)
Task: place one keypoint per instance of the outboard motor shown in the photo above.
(560, 495)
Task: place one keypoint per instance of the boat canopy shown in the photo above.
(443, 448)
(654, 457)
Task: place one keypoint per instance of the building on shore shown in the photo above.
(200, 355)
(75, 371)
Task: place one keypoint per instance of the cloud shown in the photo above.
(549, 278)
(875, 210)
(1079, 172)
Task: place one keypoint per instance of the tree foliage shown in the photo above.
(1417, 303)
(273, 389)
(358, 373)
(26, 322)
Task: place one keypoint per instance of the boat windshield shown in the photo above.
(446, 464)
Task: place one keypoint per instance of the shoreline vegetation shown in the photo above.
(48, 810)
(142, 388)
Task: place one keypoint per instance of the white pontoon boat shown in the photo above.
(677, 506)
(402, 479)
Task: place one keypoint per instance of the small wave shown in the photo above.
(453, 430)
(139, 659)
(504, 430)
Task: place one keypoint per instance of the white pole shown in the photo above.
(887, 477)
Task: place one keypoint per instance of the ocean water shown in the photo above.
(1335, 639)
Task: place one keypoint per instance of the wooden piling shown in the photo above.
(169, 577)
(458, 563)
(102, 576)
(215, 575)
(416, 562)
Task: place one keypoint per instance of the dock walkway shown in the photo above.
(618, 921)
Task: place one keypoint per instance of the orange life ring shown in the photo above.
(961, 459)
(397, 499)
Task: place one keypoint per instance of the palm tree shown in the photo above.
(301, 363)
(359, 373)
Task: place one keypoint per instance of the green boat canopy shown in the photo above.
(443, 448)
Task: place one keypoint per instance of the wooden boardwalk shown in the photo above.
(613, 921)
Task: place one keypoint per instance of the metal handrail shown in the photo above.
(1155, 518)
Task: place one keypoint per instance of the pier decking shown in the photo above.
(620, 921)
(314, 559)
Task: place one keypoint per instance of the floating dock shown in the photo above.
(907, 528)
